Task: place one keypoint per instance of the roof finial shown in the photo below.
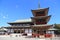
(38, 3)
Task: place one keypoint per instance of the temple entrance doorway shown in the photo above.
(38, 31)
(41, 32)
(18, 31)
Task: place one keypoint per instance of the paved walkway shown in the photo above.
(24, 38)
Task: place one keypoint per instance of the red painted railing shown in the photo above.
(35, 35)
(48, 35)
(38, 35)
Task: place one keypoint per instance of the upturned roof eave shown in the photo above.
(39, 10)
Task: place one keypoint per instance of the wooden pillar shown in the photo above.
(17, 31)
(24, 30)
(10, 30)
(28, 30)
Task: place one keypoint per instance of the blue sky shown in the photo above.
(11, 10)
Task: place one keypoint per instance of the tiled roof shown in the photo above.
(22, 21)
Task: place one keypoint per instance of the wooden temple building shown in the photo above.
(37, 25)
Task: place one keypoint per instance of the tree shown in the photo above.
(57, 26)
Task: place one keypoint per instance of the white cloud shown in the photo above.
(16, 6)
(4, 17)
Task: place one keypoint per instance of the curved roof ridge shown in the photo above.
(23, 20)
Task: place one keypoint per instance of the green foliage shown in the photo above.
(57, 26)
